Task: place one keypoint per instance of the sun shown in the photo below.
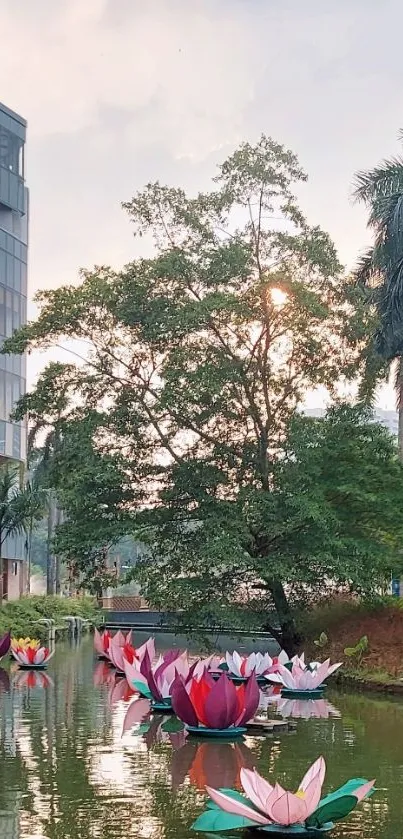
(278, 296)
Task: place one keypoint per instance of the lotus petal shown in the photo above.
(251, 698)
(289, 809)
(221, 705)
(257, 789)
(5, 643)
(236, 807)
(318, 767)
(181, 703)
(98, 644)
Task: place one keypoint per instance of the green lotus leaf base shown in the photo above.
(32, 666)
(296, 830)
(288, 693)
(223, 733)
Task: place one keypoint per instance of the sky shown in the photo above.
(120, 92)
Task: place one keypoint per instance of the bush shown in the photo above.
(19, 616)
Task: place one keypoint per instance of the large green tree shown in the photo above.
(198, 358)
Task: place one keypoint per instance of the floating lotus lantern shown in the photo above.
(304, 681)
(122, 654)
(29, 654)
(274, 809)
(101, 643)
(5, 644)
(155, 681)
(261, 664)
(215, 708)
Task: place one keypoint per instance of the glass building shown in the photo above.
(14, 213)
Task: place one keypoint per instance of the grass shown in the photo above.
(19, 616)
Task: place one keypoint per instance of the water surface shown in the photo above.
(66, 771)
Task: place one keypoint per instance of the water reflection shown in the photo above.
(307, 708)
(213, 764)
(71, 768)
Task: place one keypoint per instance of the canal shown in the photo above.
(68, 770)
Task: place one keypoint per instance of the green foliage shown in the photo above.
(181, 427)
(358, 650)
(20, 616)
(322, 641)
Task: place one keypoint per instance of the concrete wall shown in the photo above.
(15, 572)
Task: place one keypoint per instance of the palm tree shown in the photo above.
(380, 274)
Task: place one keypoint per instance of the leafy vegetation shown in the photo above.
(20, 616)
(182, 428)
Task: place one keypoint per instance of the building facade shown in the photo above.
(14, 213)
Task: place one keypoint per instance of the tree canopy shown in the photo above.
(180, 423)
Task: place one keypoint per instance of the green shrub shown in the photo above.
(19, 616)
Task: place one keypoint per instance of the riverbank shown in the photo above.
(21, 616)
(373, 665)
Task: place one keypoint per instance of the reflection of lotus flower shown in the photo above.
(32, 679)
(155, 730)
(211, 763)
(103, 674)
(301, 677)
(272, 805)
(306, 708)
(256, 663)
(5, 643)
(121, 654)
(214, 704)
(119, 690)
(31, 656)
(155, 680)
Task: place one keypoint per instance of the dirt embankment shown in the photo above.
(382, 661)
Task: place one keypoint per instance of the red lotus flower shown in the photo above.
(214, 704)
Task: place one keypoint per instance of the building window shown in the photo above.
(11, 157)
(15, 569)
(2, 437)
(16, 442)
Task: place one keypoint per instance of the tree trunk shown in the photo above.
(58, 564)
(399, 395)
(50, 564)
(289, 637)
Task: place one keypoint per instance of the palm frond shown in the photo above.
(364, 270)
(385, 179)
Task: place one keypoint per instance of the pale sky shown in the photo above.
(120, 92)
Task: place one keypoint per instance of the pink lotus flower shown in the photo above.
(258, 663)
(31, 656)
(101, 642)
(302, 677)
(121, 653)
(154, 681)
(214, 704)
(272, 805)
